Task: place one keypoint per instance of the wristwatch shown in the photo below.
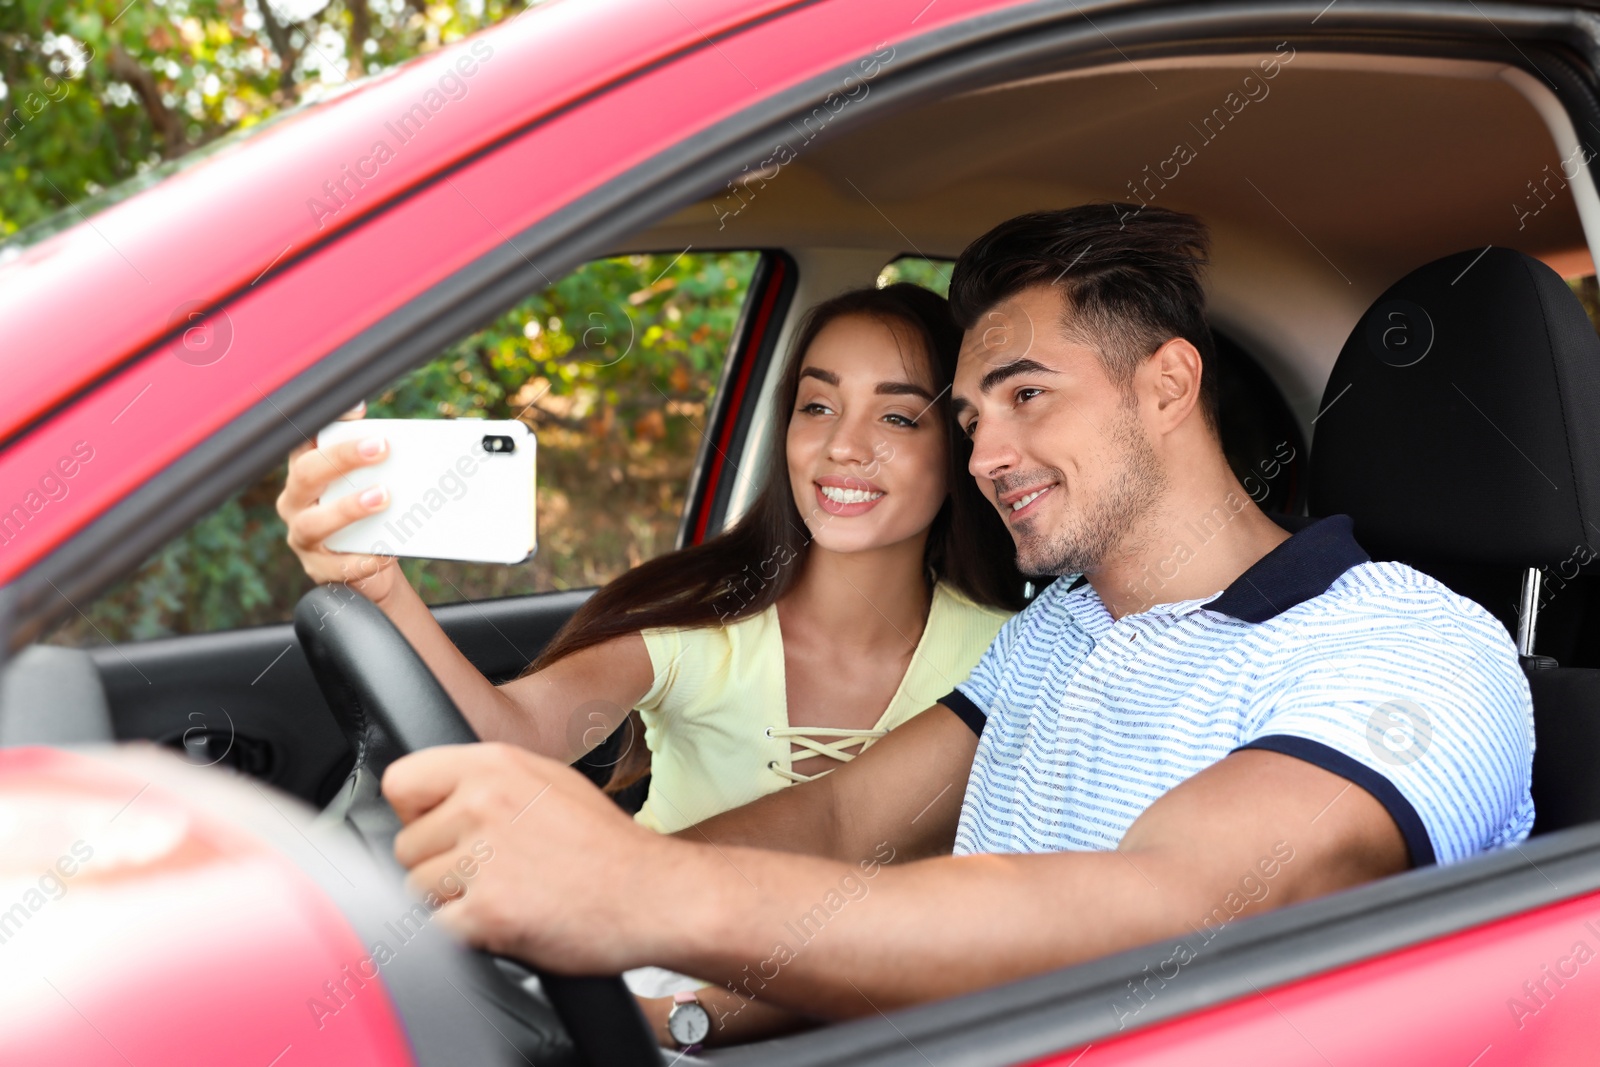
(688, 1022)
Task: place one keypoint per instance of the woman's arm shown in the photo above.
(560, 712)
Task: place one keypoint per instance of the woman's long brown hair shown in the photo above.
(748, 568)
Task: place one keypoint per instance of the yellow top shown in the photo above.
(716, 718)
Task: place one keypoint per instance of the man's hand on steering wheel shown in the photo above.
(388, 703)
(454, 797)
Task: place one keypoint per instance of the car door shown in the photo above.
(1419, 968)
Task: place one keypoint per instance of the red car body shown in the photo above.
(278, 251)
(120, 986)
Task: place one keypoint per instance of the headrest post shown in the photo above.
(1528, 611)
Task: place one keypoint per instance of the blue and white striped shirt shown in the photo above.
(1373, 671)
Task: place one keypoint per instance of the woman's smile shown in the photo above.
(847, 497)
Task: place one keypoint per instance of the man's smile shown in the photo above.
(1019, 503)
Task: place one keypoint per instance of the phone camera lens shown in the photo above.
(498, 443)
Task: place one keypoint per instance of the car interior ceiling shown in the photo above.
(1351, 172)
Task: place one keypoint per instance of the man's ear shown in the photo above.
(1173, 372)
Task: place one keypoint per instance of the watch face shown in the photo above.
(688, 1023)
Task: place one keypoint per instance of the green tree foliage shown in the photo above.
(929, 273)
(100, 92)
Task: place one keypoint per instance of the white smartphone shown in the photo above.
(460, 489)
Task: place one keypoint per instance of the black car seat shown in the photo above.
(1460, 429)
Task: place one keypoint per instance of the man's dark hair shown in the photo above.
(1130, 277)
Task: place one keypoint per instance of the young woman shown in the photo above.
(864, 582)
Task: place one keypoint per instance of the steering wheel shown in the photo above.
(388, 703)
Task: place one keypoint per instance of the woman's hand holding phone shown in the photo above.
(310, 522)
(537, 711)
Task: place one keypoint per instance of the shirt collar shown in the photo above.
(1299, 569)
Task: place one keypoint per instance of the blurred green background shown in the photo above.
(97, 92)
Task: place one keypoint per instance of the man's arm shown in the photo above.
(577, 887)
(906, 789)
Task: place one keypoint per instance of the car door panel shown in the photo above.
(246, 698)
(1520, 991)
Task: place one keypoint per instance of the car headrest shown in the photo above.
(1462, 419)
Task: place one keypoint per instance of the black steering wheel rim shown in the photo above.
(388, 704)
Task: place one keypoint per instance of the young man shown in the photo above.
(1219, 701)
